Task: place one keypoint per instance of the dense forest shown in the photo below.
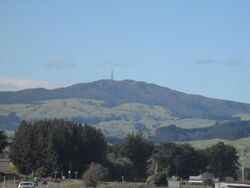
(49, 147)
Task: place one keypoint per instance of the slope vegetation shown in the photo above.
(118, 107)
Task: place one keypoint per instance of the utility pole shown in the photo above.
(112, 75)
(242, 168)
(70, 166)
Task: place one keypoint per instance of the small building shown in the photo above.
(195, 179)
(174, 184)
(231, 185)
(199, 179)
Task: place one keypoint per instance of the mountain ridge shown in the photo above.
(115, 93)
(118, 107)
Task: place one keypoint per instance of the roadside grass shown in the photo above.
(67, 184)
(79, 184)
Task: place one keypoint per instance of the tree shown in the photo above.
(179, 160)
(3, 140)
(138, 150)
(55, 145)
(223, 160)
(94, 175)
(21, 149)
(118, 167)
(75, 145)
(40, 153)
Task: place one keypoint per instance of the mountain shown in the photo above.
(124, 105)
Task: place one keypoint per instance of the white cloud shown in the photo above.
(229, 62)
(206, 61)
(59, 65)
(234, 62)
(13, 84)
(109, 64)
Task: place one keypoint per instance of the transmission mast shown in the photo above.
(112, 75)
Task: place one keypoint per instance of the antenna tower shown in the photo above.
(112, 75)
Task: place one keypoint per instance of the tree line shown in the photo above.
(53, 146)
(49, 147)
(235, 130)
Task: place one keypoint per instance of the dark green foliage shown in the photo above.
(179, 160)
(247, 173)
(118, 164)
(208, 182)
(46, 146)
(223, 160)
(94, 175)
(56, 145)
(118, 167)
(22, 148)
(234, 130)
(41, 172)
(171, 133)
(129, 159)
(160, 179)
(207, 178)
(138, 150)
(3, 140)
(182, 160)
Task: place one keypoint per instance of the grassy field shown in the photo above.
(243, 116)
(84, 108)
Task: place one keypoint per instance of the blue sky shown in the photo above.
(199, 47)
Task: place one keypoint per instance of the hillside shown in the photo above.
(117, 107)
(115, 93)
(231, 130)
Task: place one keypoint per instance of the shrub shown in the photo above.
(160, 178)
(207, 178)
(41, 172)
(94, 175)
(229, 179)
(1, 177)
(208, 182)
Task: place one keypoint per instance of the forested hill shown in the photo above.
(231, 130)
(115, 93)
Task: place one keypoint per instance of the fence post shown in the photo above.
(3, 181)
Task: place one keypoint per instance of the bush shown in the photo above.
(208, 182)
(1, 177)
(229, 179)
(207, 175)
(94, 175)
(41, 172)
(161, 179)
